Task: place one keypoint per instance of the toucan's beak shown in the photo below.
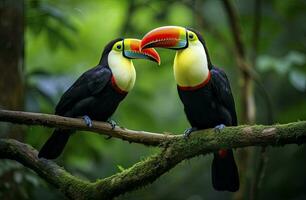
(171, 37)
(132, 50)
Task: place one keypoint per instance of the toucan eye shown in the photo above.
(118, 46)
(191, 36)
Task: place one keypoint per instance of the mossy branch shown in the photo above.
(55, 121)
(71, 186)
(174, 150)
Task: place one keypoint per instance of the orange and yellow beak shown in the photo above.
(171, 37)
(132, 50)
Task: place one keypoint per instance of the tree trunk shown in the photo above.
(11, 56)
(11, 79)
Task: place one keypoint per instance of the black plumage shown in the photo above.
(210, 105)
(207, 107)
(93, 94)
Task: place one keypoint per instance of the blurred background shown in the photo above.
(46, 44)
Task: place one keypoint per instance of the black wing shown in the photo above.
(88, 84)
(222, 89)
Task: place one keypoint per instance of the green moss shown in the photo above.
(151, 168)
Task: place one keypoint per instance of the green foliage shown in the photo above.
(290, 65)
(43, 17)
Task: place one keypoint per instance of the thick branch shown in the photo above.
(176, 150)
(204, 142)
(143, 137)
(48, 170)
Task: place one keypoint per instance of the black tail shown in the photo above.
(224, 171)
(55, 144)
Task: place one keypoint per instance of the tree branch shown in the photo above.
(48, 170)
(202, 143)
(55, 121)
(176, 149)
(248, 105)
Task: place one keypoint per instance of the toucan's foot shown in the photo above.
(188, 132)
(87, 121)
(112, 123)
(219, 127)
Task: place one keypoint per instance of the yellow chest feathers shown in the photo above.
(190, 65)
(123, 70)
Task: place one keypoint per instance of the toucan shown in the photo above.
(204, 91)
(96, 94)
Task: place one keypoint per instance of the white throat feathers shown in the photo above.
(123, 70)
(190, 65)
